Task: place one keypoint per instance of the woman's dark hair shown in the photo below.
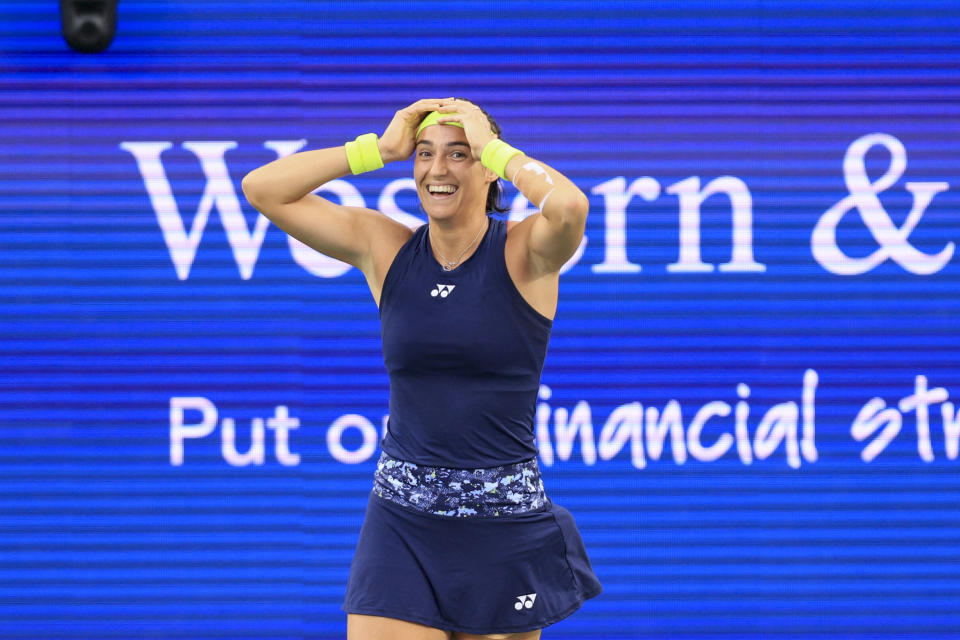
(495, 192)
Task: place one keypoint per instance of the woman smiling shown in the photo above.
(460, 539)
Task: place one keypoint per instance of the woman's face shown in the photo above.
(448, 178)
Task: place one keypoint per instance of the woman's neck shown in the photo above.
(454, 240)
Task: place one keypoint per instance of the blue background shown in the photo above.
(102, 536)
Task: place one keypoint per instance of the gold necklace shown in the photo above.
(448, 265)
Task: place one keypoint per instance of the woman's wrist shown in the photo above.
(363, 154)
(384, 153)
(496, 154)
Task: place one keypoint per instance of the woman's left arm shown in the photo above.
(558, 230)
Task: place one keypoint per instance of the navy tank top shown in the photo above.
(464, 352)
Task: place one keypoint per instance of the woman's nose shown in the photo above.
(439, 166)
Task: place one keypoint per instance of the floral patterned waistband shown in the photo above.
(491, 491)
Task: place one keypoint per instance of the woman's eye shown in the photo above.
(424, 154)
(458, 154)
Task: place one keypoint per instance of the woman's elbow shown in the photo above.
(575, 206)
(248, 181)
(250, 187)
(581, 204)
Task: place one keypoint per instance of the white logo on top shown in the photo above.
(442, 290)
(525, 601)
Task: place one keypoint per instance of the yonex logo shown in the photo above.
(525, 601)
(442, 290)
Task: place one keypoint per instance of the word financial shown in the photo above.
(892, 241)
(641, 433)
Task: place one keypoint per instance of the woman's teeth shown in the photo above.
(441, 188)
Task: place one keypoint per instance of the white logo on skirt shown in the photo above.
(525, 601)
(442, 290)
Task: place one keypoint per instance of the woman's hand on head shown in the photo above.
(475, 123)
(398, 141)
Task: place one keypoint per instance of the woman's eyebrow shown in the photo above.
(457, 143)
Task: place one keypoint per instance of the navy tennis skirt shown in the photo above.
(480, 574)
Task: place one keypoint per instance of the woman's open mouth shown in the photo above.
(442, 191)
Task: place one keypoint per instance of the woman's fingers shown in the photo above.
(429, 104)
(396, 143)
(432, 101)
(415, 112)
(475, 124)
(459, 105)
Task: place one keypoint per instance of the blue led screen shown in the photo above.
(749, 402)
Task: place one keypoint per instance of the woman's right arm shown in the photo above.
(283, 192)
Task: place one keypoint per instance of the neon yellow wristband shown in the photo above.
(363, 154)
(496, 155)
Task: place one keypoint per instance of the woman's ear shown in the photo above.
(489, 175)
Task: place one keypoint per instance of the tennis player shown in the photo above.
(460, 540)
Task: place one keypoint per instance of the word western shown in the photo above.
(892, 241)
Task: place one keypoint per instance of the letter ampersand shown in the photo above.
(893, 241)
